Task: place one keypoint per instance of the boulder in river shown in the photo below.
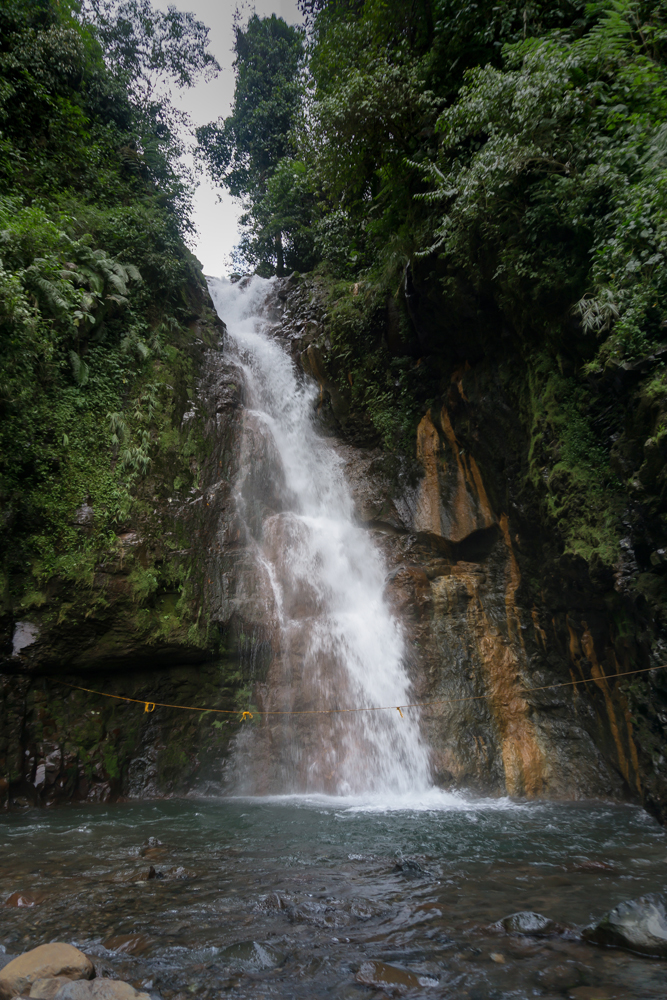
(44, 962)
(529, 923)
(100, 989)
(636, 925)
(112, 989)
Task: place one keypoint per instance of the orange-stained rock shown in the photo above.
(452, 501)
(44, 962)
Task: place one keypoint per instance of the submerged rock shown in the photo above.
(529, 923)
(129, 944)
(319, 914)
(560, 977)
(44, 962)
(406, 866)
(636, 925)
(252, 955)
(20, 899)
(392, 978)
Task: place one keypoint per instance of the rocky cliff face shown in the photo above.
(500, 619)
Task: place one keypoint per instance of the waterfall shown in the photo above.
(335, 643)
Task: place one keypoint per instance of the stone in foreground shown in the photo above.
(46, 989)
(529, 923)
(637, 925)
(100, 989)
(45, 962)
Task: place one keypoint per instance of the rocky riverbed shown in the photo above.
(447, 898)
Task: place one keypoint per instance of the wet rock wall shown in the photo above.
(502, 619)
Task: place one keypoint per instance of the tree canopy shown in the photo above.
(506, 162)
(518, 144)
(243, 150)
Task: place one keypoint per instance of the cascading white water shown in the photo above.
(322, 579)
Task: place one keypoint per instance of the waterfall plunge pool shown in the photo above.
(305, 897)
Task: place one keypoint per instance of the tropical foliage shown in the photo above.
(512, 158)
(93, 265)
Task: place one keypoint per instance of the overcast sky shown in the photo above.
(217, 221)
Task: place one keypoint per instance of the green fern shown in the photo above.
(607, 41)
(80, 369)
(119, 429)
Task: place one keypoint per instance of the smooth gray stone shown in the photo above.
(82, 989)
(636, 925)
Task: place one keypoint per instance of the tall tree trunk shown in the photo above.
(280, 260)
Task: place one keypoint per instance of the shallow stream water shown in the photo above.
(317, 897)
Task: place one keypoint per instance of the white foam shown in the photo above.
(431, 800)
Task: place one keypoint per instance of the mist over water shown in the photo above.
(322, 581)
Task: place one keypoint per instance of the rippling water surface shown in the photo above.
(294, 897)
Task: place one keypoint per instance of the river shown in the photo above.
(302, 897)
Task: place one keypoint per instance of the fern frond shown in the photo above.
(132, 272)
(607, 40)
(80, 369)
(117, 282)
(46, 289)
(598, 313)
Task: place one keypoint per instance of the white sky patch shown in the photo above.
(216, 213)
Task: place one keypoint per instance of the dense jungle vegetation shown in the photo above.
(95, 275)
(503, 165)
(491, 174)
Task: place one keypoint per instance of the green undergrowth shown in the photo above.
(379, 374)
(569, 464)
(97, 292)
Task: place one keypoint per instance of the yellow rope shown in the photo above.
(149, 706)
